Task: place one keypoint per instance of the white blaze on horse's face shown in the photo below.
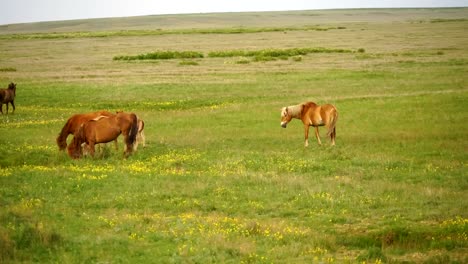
(285, 117)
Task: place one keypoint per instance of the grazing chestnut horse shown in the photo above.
(74, 123)
(141, 135)
(8, 96)
(105, 129)
(314, 115)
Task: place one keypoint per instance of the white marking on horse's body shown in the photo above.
(99, 117)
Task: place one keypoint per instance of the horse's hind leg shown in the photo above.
(333, 137)
(317, 135)
(137, 141)
(92, 148)
(127, 147)
(306, 135)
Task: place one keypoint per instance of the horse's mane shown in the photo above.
(293, 110)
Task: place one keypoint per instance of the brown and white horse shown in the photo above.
(314, 115)
(103, 130)
(8, 96)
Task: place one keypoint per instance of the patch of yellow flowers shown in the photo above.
(186, 225)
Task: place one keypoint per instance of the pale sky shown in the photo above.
(23, 11)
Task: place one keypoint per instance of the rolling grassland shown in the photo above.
(219, 180)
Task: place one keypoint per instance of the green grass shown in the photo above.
(219, 180)
(158, 32)
(273, 52)
(7, 69)
(259, 55)
(162, 55)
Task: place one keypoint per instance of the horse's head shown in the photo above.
(12, 86)
(285, 117)
(74, 149)
(61, 143)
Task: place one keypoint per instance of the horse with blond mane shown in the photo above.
(74, 123)
(314, 115)
(8, 96)
(102, 130)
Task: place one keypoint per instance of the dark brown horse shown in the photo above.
(74, 123)
(105, 129)
(314, 115)
(8, 96)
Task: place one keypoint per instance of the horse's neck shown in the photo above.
(295, 110)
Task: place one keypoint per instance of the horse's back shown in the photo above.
(328, 108)
(76, 120)
(5, 96)
(318, 115)
(101, 131)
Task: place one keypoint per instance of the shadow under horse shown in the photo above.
(102, 130)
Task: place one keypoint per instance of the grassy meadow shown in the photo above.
(219, 180)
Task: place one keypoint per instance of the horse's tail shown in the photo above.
(141, 125)
(334, 118)
(62, 137)
(141, 133)
(133, 130)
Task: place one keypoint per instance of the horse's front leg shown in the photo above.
(306, 135)
(14, 108)
(116, 144)
(92, 149)
(317, 135)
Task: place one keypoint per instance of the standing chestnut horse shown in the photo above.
(8, 96)
(74, 123)
(314, 115)
(105, 129)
